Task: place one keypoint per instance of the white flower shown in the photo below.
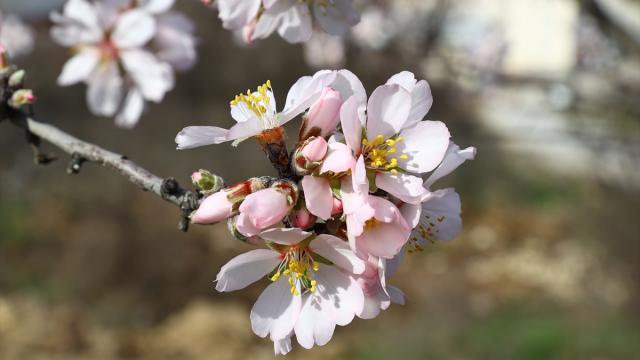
(16, 36)
(256, 112)
(307, 298)
(292, 19)
(111, 41)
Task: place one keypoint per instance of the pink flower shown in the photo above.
(317, 187)
(324, 115)
(263, 209)
(398, 146)
(306, 299)
(315, 150)
(375, 226)
(213, 209)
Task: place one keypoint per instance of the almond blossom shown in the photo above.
(112, 53)
(398, 146)
(348, 203)
(292, 19)
(307, 298)
(17, 37)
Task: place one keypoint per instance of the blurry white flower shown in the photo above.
(292, 19)
(111, 41)
(16, 36)
(324, 51)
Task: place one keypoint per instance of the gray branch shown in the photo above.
(81, 151)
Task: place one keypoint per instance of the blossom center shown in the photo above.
(371, 224)
(379, 153)
(108, 50)
(258, 103)
(298, 265)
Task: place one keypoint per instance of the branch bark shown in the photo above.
(81, 151)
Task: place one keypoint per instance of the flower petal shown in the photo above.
(317, 196)
(131, 110)
(79, 67)
(285, 236)
(352, 124)
(345, 295)
(421, 98)
(195, 136)
(153, 77)
(425, 144)
(339, 159)
(338, 252)
(441, 214)
(245, 269)
(315, 324)
(405, 187)
(276, 311)
(105, 90)
(452, 159)
(387, 111)
(133, 29)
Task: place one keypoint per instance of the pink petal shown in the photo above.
(318, 196)
(265, 207)
(339, 159)
(213, 209)
(352, 124)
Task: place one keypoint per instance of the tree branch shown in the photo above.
(81, 151)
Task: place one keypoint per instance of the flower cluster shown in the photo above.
(292, 19)
(355, 196)
(126, 51)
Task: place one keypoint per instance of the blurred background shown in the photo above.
(547, 266)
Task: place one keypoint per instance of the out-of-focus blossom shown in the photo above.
(113, 53)
(17, 37)
(325, 51)
(292, 19)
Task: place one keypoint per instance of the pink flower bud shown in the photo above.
(302, 218)
(315, 150)
(213, 209)
(196, 177)
(324, 115)
(337, 207)
(262, 209)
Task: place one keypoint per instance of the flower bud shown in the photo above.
(302, 218)
(17, 78)
(22, 97)
(213, 209)
(315, 150)
(324, 115)
(206, 182)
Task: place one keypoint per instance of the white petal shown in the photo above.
(153, 77)
(348, 84)
(441, 214)
(336, 18)
(79, 67)
(131, 110)
(315, 324)
(133, 29)
(283, 346)
(295, 26)
(271, 18)
(157, 6)
(346, 296)
(396, 295)
(285, 236)
(276, 310)
(105, 90)
(82, 12)
(236, 14)
(411, 214)
(245, 269)
(421, 98)
(405, 187)
(195, 136)
(318, 196)
(425, 144)
(338, 252)
(306, 91)
(387, 111)
(452, 159)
